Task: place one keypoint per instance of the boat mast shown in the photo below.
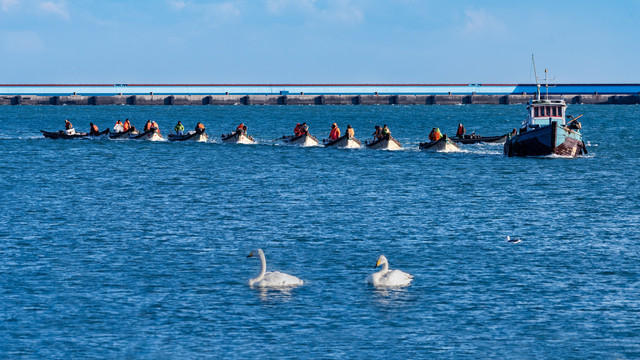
(535, 73)
(546, 79)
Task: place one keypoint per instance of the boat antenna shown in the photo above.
(535, 74)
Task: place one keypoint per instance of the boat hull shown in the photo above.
(120, 134)
(235, 138)
(62, 135)
(443, 144)
(345, 143)
(546, 140)
(190, 136)
(303, 140)
(150, 135)
(389, 143)
(481, 139)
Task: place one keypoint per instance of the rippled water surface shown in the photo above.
(125, 249)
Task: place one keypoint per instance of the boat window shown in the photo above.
(554, 111)
(537, 111)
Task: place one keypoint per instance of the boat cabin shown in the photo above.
(543, 113)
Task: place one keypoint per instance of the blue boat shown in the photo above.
(546, 131)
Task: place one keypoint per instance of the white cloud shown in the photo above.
(6, 5)
(222, 13)
(177, 4)
(341, 11)
(344, 12)
(55, 8)
(479, 20)
(279, 6)
(21, 42)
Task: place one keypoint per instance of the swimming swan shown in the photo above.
(271, 279)
(386, 277)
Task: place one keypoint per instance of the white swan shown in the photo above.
(271, 279)
(386, 277)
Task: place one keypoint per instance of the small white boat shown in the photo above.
(237, 138)
(345, 143)
(190, 136)
(302, 140)
(442, 144)
(389, 143)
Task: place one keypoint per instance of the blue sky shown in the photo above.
(321, 41)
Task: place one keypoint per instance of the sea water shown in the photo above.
(133, 249)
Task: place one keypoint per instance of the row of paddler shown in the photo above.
(382, 138)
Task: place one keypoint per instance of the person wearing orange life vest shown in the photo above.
(240, 128)
(94, 130)
(68, 127)
(127, 125)
(296, 130)
(155, 125)
(350, 132)
(199, 128)
(435, 135)
(335, 132)
(461, 131)
(118, 127)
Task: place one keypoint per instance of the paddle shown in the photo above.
(574, 119)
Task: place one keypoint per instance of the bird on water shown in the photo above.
(271, 279)
(513, 241)
(388, 278)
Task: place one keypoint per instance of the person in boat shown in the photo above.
(573, 124)
(93, 130)
(335, 132)
(304, 129)
(241, 129)
(386, 133)
(154, 125)
(350, 132)
(514, 132)
(126, 125)
(68, 127)
(377, 134)
(199, 128)
(461, 131)
(179, 128)
(435, 135)
(147, 126)
(296, 130)
(118, 127)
